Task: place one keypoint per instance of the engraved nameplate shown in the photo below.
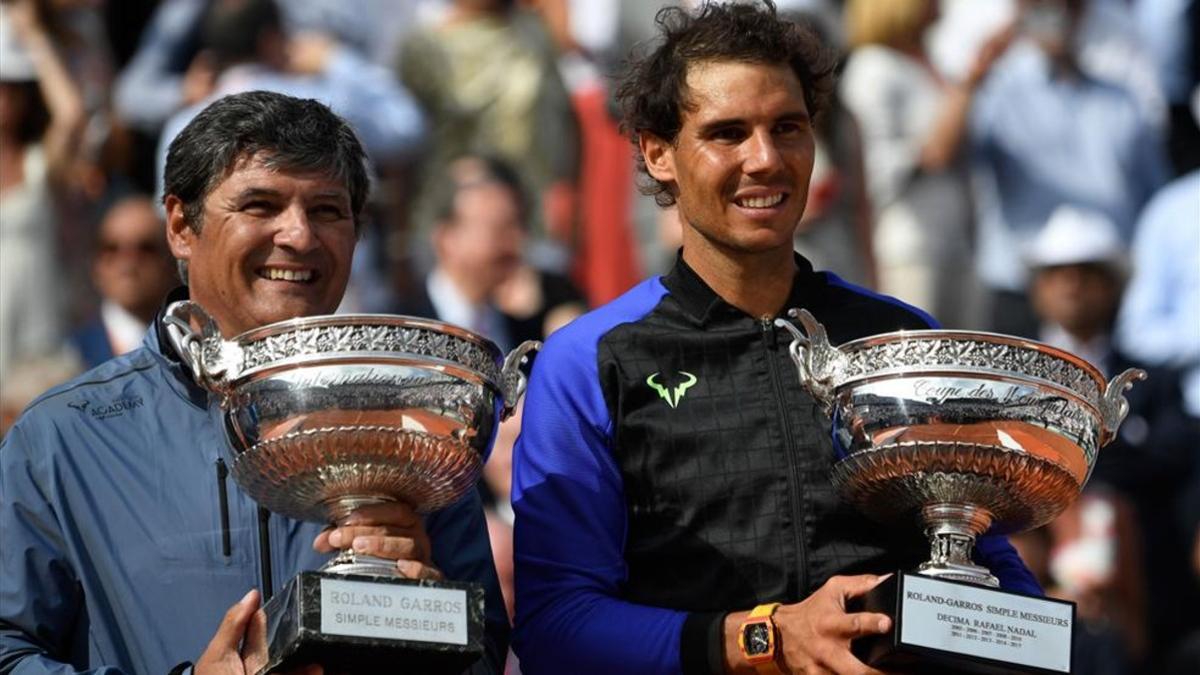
(986, 623)
(365, 609)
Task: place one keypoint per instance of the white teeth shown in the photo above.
(761, 202)
(287, 275)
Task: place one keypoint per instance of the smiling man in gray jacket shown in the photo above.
(124, 543)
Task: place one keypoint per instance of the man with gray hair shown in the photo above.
(123, 542)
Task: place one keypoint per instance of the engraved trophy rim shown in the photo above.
(486, 368)
(365, 319)
(862, 344)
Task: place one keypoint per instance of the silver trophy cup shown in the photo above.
(326, 414)
(965, 433)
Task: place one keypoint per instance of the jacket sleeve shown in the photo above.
(998, 555)
(570, 532)
(40, 597)
(462, 552)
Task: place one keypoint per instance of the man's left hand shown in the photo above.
(392, 530)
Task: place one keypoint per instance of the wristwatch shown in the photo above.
(759, 640)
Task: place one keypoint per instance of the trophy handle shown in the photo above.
(816, 359)
(201, 352)
(1113, 405)
(512, 379)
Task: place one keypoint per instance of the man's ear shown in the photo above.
(179, 234)
(659, 155)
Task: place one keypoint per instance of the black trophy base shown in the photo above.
(944, 627)
(353, 623)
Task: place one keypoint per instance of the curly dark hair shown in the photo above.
(652, 93)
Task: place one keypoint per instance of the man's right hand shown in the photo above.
(240, 645)
(815, 634)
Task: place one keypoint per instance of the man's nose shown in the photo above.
(295, 231)
(762, 153)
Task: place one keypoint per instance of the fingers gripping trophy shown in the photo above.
(327, 414)
(963, 433)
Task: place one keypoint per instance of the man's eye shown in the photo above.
(789, 128)
(728, 134)
(258, 208)
(328, 212)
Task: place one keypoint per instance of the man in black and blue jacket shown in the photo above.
(672, 473)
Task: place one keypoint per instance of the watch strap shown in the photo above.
(768, 666)
(764, 610)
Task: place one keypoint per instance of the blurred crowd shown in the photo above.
(1029, 167)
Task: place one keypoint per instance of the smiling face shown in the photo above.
(273, 245)
(741, 162)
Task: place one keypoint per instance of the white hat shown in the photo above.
(1073, 236)
(15, 64)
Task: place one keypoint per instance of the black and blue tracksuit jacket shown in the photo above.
(671, 468)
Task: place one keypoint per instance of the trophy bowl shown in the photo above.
(326, 414)
(964, 432)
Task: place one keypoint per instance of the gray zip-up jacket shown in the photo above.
(122, 542)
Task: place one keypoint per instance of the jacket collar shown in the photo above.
(703, 304)
(157, 342)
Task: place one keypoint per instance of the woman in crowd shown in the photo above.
(913, 125)
(41, 119)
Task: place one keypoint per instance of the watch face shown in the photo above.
(757, 639)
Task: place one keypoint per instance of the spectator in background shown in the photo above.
(41, 118)
(605, 258)
(250, 50)
(479, 279)
(1160, 317)
(913, 126)
(1045, 132)
(1159, 322)
(170, 71)
(133, 273)
(76, 28)
(1079, 266)
(164, 74)
(486, 76)
(835, 232)
(476, 246)
(1169, 32)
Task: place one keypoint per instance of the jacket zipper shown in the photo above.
(769, 344)
(223, 491)
(264, 554)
